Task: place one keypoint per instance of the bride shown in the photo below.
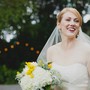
(70, 55)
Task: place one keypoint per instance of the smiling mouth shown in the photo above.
(71, 30)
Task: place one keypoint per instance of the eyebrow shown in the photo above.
(71, 17)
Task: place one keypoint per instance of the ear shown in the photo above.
(58, 25)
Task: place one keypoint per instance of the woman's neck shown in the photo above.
(68, 43)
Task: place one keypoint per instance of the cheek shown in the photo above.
(63, 29)
(78, 28)
(61, 26)
(77, 25)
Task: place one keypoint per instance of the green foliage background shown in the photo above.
(14, 13)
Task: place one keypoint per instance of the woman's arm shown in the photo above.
(49, 55)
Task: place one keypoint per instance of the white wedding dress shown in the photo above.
(75, 76)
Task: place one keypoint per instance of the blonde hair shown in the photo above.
(73, 10)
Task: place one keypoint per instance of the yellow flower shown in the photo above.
(31, 75)
(49, 65)
(30, 65)
(18, 72)
(30, 70)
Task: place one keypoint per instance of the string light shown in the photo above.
(31, 48)
(12, 46)
(26, 44)
(17, 42)
(5, 49)
(0, 52)
(37, 52)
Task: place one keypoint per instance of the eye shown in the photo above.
(76, 20)
(67, 19)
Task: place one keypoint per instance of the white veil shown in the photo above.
(55, 37)
(83, 37)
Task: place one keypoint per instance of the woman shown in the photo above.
(71, 56)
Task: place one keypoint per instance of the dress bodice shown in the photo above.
(75, 77)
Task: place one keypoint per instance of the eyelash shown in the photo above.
(74, 20)
(67, 20)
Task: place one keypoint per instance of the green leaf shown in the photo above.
(41, 63)
(48, 87)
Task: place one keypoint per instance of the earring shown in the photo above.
(77, 34)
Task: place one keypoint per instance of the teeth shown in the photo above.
(71, 29)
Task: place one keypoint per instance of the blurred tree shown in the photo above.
(33, 21)
(33, 16)
(11, 11)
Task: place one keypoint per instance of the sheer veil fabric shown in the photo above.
(55, 37)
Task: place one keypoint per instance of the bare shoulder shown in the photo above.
(85, 46)
(53, 47)
(50, 52)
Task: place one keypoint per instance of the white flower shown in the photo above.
(41, 78)
(34, 63)
(25, 70)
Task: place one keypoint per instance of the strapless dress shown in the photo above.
(75, 76)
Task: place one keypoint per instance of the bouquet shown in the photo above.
(38, 76)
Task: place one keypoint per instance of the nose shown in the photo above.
(72, 23)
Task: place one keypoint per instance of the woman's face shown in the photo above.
(69, 24)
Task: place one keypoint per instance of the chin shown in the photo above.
(71, 35)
